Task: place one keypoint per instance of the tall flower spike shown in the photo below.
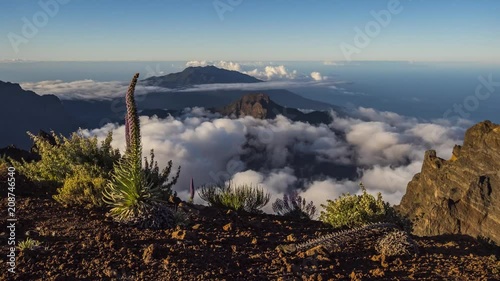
(132, 127)
(127, 133)
(191, 190)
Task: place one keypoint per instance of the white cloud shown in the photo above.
(229, 65)
(94, 90)
(316, 76)
(273, 72)
(86, 89)
(387, 148)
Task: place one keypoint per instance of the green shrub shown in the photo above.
(66, 157)
(82, 189)
(356, 210)
(293, 205)
(135, 194)
(243, 197)
(161, 179)
(28, 244)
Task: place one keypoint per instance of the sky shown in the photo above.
(244, 30)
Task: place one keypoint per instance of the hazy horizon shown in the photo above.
(395, 30)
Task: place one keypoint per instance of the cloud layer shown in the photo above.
(386, 147)
(94, 90)
(258, 70)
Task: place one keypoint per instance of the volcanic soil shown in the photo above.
(216, 244)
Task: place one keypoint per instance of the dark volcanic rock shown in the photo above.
(260, 106)
(460, 195)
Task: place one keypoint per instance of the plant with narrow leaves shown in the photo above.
(136, 194)
(161, 179)
(28, 244)
(339, 238)
(293, 205)
(238, 198)
(191, 191)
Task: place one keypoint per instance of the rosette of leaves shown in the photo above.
(238, 198)
(293, 205)
(136, 194)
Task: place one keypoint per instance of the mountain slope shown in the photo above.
(199, 75)
(22, 111)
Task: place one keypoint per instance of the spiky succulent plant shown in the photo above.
(135, 193)
(293, 205)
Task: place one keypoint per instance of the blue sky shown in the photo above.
(250, 30)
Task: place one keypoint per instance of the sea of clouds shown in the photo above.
(388, 149)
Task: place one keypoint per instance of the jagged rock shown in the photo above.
(460, 195)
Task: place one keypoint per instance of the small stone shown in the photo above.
(32, 233)
(228, 227)
(254, 241)
(291, 238)
(318, 250)
(196, 226)
(150, 253)
(179, 234)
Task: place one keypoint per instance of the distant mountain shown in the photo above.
(22, 111)
(97, 113)
(262, 107)
(199, 75)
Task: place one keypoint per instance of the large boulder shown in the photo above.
(460, 195)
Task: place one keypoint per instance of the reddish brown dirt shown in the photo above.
(84, 244)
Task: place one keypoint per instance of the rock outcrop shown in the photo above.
(460, 195)
(260, 106)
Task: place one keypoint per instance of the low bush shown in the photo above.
(356, 210)
(293, 205)
(238, 198)
(66, 157)
(82, 189)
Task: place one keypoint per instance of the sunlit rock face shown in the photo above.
(460, 195)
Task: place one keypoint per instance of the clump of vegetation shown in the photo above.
(136, 194)
(396, 243)
(28, 244)
(77, 166)
(68, 157)
(356, 210)
(82, 189)
(293, 205)
(237, 198)
(162, 179)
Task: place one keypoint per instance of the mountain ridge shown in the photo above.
(197, 75)
(22, 111)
